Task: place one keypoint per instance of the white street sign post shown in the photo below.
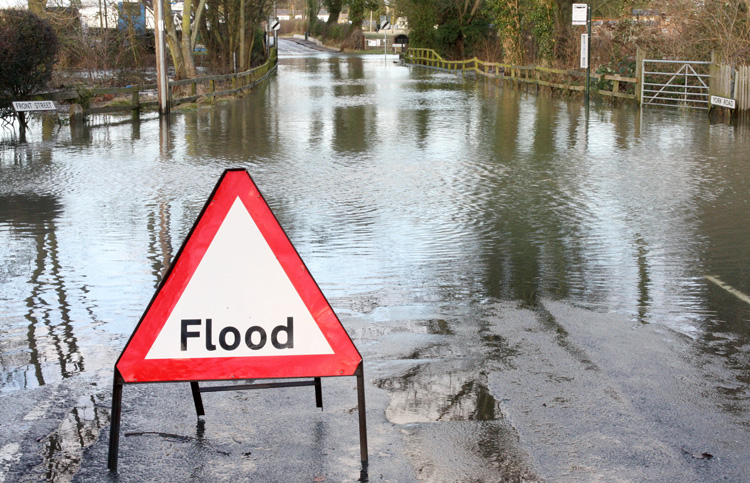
(385, 25)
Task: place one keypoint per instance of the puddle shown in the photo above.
(429, 394)
(62, 450)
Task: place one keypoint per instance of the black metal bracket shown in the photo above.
(198, 400)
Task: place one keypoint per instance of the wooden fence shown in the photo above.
(733, 83)
(182, 91)
(742, 87)
(725, 81)
(565, 80)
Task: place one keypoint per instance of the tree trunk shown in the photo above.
(173, 42)
(22, 127)
(512, 44)
(334, 11)
(186, 44)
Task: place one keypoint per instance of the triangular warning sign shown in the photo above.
(237, 303)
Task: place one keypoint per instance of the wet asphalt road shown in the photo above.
(566, 400)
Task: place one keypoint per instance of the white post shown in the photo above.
(161, 58)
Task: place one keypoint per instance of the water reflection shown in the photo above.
(453, 396)
(49, 333)
(63, 448)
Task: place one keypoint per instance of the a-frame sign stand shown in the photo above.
(228, 309)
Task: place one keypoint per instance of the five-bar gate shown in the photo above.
(675, 83)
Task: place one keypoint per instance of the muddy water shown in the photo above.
(427, 206)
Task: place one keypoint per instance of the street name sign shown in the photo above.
(24, 106)
(580, 13)
(723, 102)
(584, 51)
(236, 303)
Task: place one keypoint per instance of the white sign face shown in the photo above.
(584, 51)
(723, 102)
(226, 311)
(34, 106)
(580, 13)
(276, 25)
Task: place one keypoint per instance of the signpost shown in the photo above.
(582, 16)
(272, 27)
(162, 82)
(237, 303)
(384, 25)
(26, 106)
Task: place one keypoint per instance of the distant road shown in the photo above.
(292, 46)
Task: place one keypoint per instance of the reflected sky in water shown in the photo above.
(402, 189)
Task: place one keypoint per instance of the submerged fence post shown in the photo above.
(640, 55)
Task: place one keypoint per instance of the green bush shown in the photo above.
(337, 32)
(28, 48)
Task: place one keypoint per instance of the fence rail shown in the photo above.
(566, 80)
(180, 92)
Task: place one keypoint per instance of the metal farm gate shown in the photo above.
(675, 83)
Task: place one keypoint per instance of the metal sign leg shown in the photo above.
(197, 399)
(362, 416)
(114, 427)
(318, 394)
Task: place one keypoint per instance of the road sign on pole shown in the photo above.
(580, 13)
(236, 303)
(582, 16)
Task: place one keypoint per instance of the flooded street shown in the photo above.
(538, 295)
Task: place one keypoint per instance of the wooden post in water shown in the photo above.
(640, 55)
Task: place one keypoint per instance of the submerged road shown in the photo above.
(293, 46)
(537, 295)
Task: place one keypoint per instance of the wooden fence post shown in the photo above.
(640, 55)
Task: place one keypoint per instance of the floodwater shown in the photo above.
(538, 292)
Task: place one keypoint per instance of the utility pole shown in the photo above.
(162, 84)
